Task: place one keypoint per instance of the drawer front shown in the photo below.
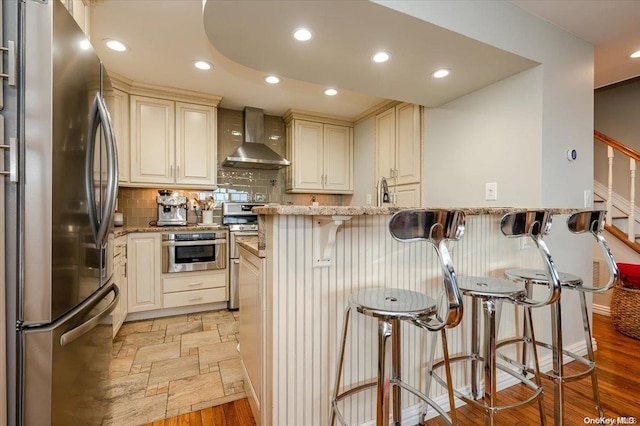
(195, 297)
(195, 281)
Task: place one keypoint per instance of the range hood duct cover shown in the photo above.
(253, 153)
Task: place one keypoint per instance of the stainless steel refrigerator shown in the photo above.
(62, 294)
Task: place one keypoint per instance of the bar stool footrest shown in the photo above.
(394, 382)
(469, 399)
(590, 365)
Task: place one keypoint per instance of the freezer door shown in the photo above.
(66, 364)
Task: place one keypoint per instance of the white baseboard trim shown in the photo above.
(601, 310)
(411, 415)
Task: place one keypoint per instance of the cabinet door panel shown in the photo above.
(195, 144)
(308, 155)
(338, 158)
(408, 195)
(408, 144)
(144, 257)
(118, 106)
(152, 140)
(386, 144)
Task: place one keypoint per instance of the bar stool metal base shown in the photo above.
(490, 292)
(557, 375)
(389, 306)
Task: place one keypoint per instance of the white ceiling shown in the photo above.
(166, 36)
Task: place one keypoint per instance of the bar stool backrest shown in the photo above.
(534, 224)
(437, 227)
(593, 221)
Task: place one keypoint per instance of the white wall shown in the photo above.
(566, 89)
(487, 136)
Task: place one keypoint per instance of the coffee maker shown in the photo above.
(172, 209)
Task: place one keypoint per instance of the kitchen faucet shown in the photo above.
(382, 191)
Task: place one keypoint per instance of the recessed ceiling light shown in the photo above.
(380, 57)
(441, 73)
(116, 45)
(272, 79)
(302, 34)
(85, 44)
(331, 92)
(635, 54)
(202, 65)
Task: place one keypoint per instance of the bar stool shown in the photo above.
(490, 293)
(391, 305)
(578, 223)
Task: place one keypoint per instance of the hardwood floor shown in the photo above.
(618, 365)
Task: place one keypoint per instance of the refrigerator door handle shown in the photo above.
(79, 311)
(100, 225)
(88, 325)
(112, 170)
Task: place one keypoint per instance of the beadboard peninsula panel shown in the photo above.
(305, 309)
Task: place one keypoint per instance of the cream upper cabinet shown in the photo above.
(143, 259)
(399, 144)
(408, 144)
(196, 144)
(386, 144)
(152, 140)
(172, 143)
(118, 106)
(321, 157)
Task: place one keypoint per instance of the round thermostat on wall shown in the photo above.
(572, 154)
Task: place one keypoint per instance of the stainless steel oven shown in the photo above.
(241, 222)
(184, 252)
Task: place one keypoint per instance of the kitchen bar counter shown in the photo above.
(316, 256)
(371, 210)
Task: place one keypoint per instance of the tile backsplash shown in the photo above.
(139, 207)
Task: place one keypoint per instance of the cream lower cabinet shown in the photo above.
(144, 271)
(194, 288)
(321, 157)
(120, 279)
(172, 143)
(407, 195)
(250, 281)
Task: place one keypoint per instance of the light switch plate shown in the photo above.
(491, 191)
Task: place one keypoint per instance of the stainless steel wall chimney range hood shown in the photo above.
(253, 153)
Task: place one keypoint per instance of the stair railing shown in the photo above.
(634, 157)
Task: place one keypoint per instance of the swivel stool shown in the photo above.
(591, 221)
(490, 293)
(391, 305)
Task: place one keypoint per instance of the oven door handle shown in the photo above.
(193, 243)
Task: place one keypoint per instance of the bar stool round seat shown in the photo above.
(393, 303)
(495, 288)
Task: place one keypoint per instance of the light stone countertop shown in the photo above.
(250, 243)
(124, 230)
(370, 210)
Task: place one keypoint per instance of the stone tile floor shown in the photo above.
(164, 367)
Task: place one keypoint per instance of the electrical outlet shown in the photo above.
(368, 199)
(491, 191)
